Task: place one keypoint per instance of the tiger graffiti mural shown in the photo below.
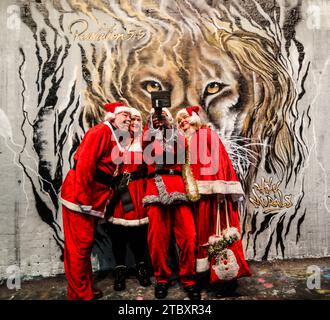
(239, 60)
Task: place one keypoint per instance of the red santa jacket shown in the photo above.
(132, 164)
(97, 155)
(211, 167)
(167, 187)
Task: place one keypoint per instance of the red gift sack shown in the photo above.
(225, 252)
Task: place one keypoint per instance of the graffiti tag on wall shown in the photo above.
(80, 29)
(267, 194)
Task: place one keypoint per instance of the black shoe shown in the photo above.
(193, 292)
(227, 289)
(98, 294)
(120, 278)
(161, 290)
(142, 274)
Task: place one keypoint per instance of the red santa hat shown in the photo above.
(191, 113)
(115, 108)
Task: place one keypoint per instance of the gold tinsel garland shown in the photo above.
(187, 174)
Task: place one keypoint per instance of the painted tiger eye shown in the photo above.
(152, 86)
(213, 88)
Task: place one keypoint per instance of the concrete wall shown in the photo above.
(259, 70)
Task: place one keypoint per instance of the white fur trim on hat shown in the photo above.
(194, 119)
(109, 116)
(123, 109)
(119, 109)
(135, 112)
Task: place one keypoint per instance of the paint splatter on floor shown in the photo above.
(286, 279)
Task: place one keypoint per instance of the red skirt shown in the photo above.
(137, 216)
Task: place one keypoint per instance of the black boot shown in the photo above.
(98, 294)
(142, 274)
(193, 292)
(227, 289)
(120, 278)
(161, 290)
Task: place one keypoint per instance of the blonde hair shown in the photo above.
(267, 120)
(194, 125)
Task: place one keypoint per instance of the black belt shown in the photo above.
(170, 172)
(102, 177)
(130, 176)
(122, 186)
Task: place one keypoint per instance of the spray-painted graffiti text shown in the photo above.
(80, 31)
(267, 194)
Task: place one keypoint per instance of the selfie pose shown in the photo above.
(167, 205)
(128, 218)
(85, 194)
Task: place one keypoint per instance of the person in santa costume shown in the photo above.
(167, 205)
(85, 194)
(212, 185)
(128, 218)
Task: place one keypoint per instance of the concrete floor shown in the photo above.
(275, 280)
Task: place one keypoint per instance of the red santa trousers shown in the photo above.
(79, 230)
(162, 220)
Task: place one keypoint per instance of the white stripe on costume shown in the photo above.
(135, 147)
(117, 142)
(220, 186)
(77, 208)
(129, 223)
(202, 265)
